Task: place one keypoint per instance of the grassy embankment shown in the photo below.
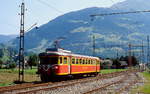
(145, 89)
(8, 76)
(104, 71)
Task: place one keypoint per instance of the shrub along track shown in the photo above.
(33, 88)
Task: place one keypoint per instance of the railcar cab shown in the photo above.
(49, 63)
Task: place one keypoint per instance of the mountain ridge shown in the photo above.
(78, 30)
(6, 38)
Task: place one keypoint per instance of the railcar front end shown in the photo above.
(48, 66)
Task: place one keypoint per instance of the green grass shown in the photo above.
(6, 84)
(33, 71)
(146, 87)
(105, 71)
(8, 76)
(27, 71)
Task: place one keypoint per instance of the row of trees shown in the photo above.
(31, 61)
(119, 63)
(9, 58)
(7, 55)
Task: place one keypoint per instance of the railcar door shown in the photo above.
(69, 65)
(96, 65)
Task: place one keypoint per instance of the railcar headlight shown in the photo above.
(55, 67)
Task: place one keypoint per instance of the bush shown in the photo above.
(12, 66)
(33, 60)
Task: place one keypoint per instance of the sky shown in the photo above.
(41, 11)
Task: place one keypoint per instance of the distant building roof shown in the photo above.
(123, 63)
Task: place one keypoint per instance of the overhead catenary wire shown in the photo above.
(114, 5)
(50, 6)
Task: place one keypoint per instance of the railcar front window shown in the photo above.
(49, 60)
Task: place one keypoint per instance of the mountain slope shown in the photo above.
(6, 38)
(78, 30)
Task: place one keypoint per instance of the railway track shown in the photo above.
(116, 87)
(106, 85)
(128, 84)
(34, 88)
(30, 85)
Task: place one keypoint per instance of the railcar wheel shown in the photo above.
(44, 78)
(95, 74)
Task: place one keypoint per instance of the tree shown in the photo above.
(116, 63)
(33, 60)
(1, 63)
(133, 58)
(1, 53)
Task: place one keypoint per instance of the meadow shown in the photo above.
(8, 76)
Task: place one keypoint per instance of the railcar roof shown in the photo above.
(67, 54)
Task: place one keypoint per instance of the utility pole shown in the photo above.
(117, 54)
(21, 44)
(148, 55)
(93, 45)
(142, 52)
(130, 58)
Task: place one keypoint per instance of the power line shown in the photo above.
(117, 13)
(114, 5)
(50, 6)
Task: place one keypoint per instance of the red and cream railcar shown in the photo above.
(58, 63)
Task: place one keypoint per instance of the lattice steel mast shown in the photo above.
(21, 44)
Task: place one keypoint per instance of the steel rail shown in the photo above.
(106, 85)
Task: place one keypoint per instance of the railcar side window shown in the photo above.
(83, 61)
(88, 61)
(73, 61)
(94, 62)
(77, 61)
(60, 60)
(65, 60)
(80, 61)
